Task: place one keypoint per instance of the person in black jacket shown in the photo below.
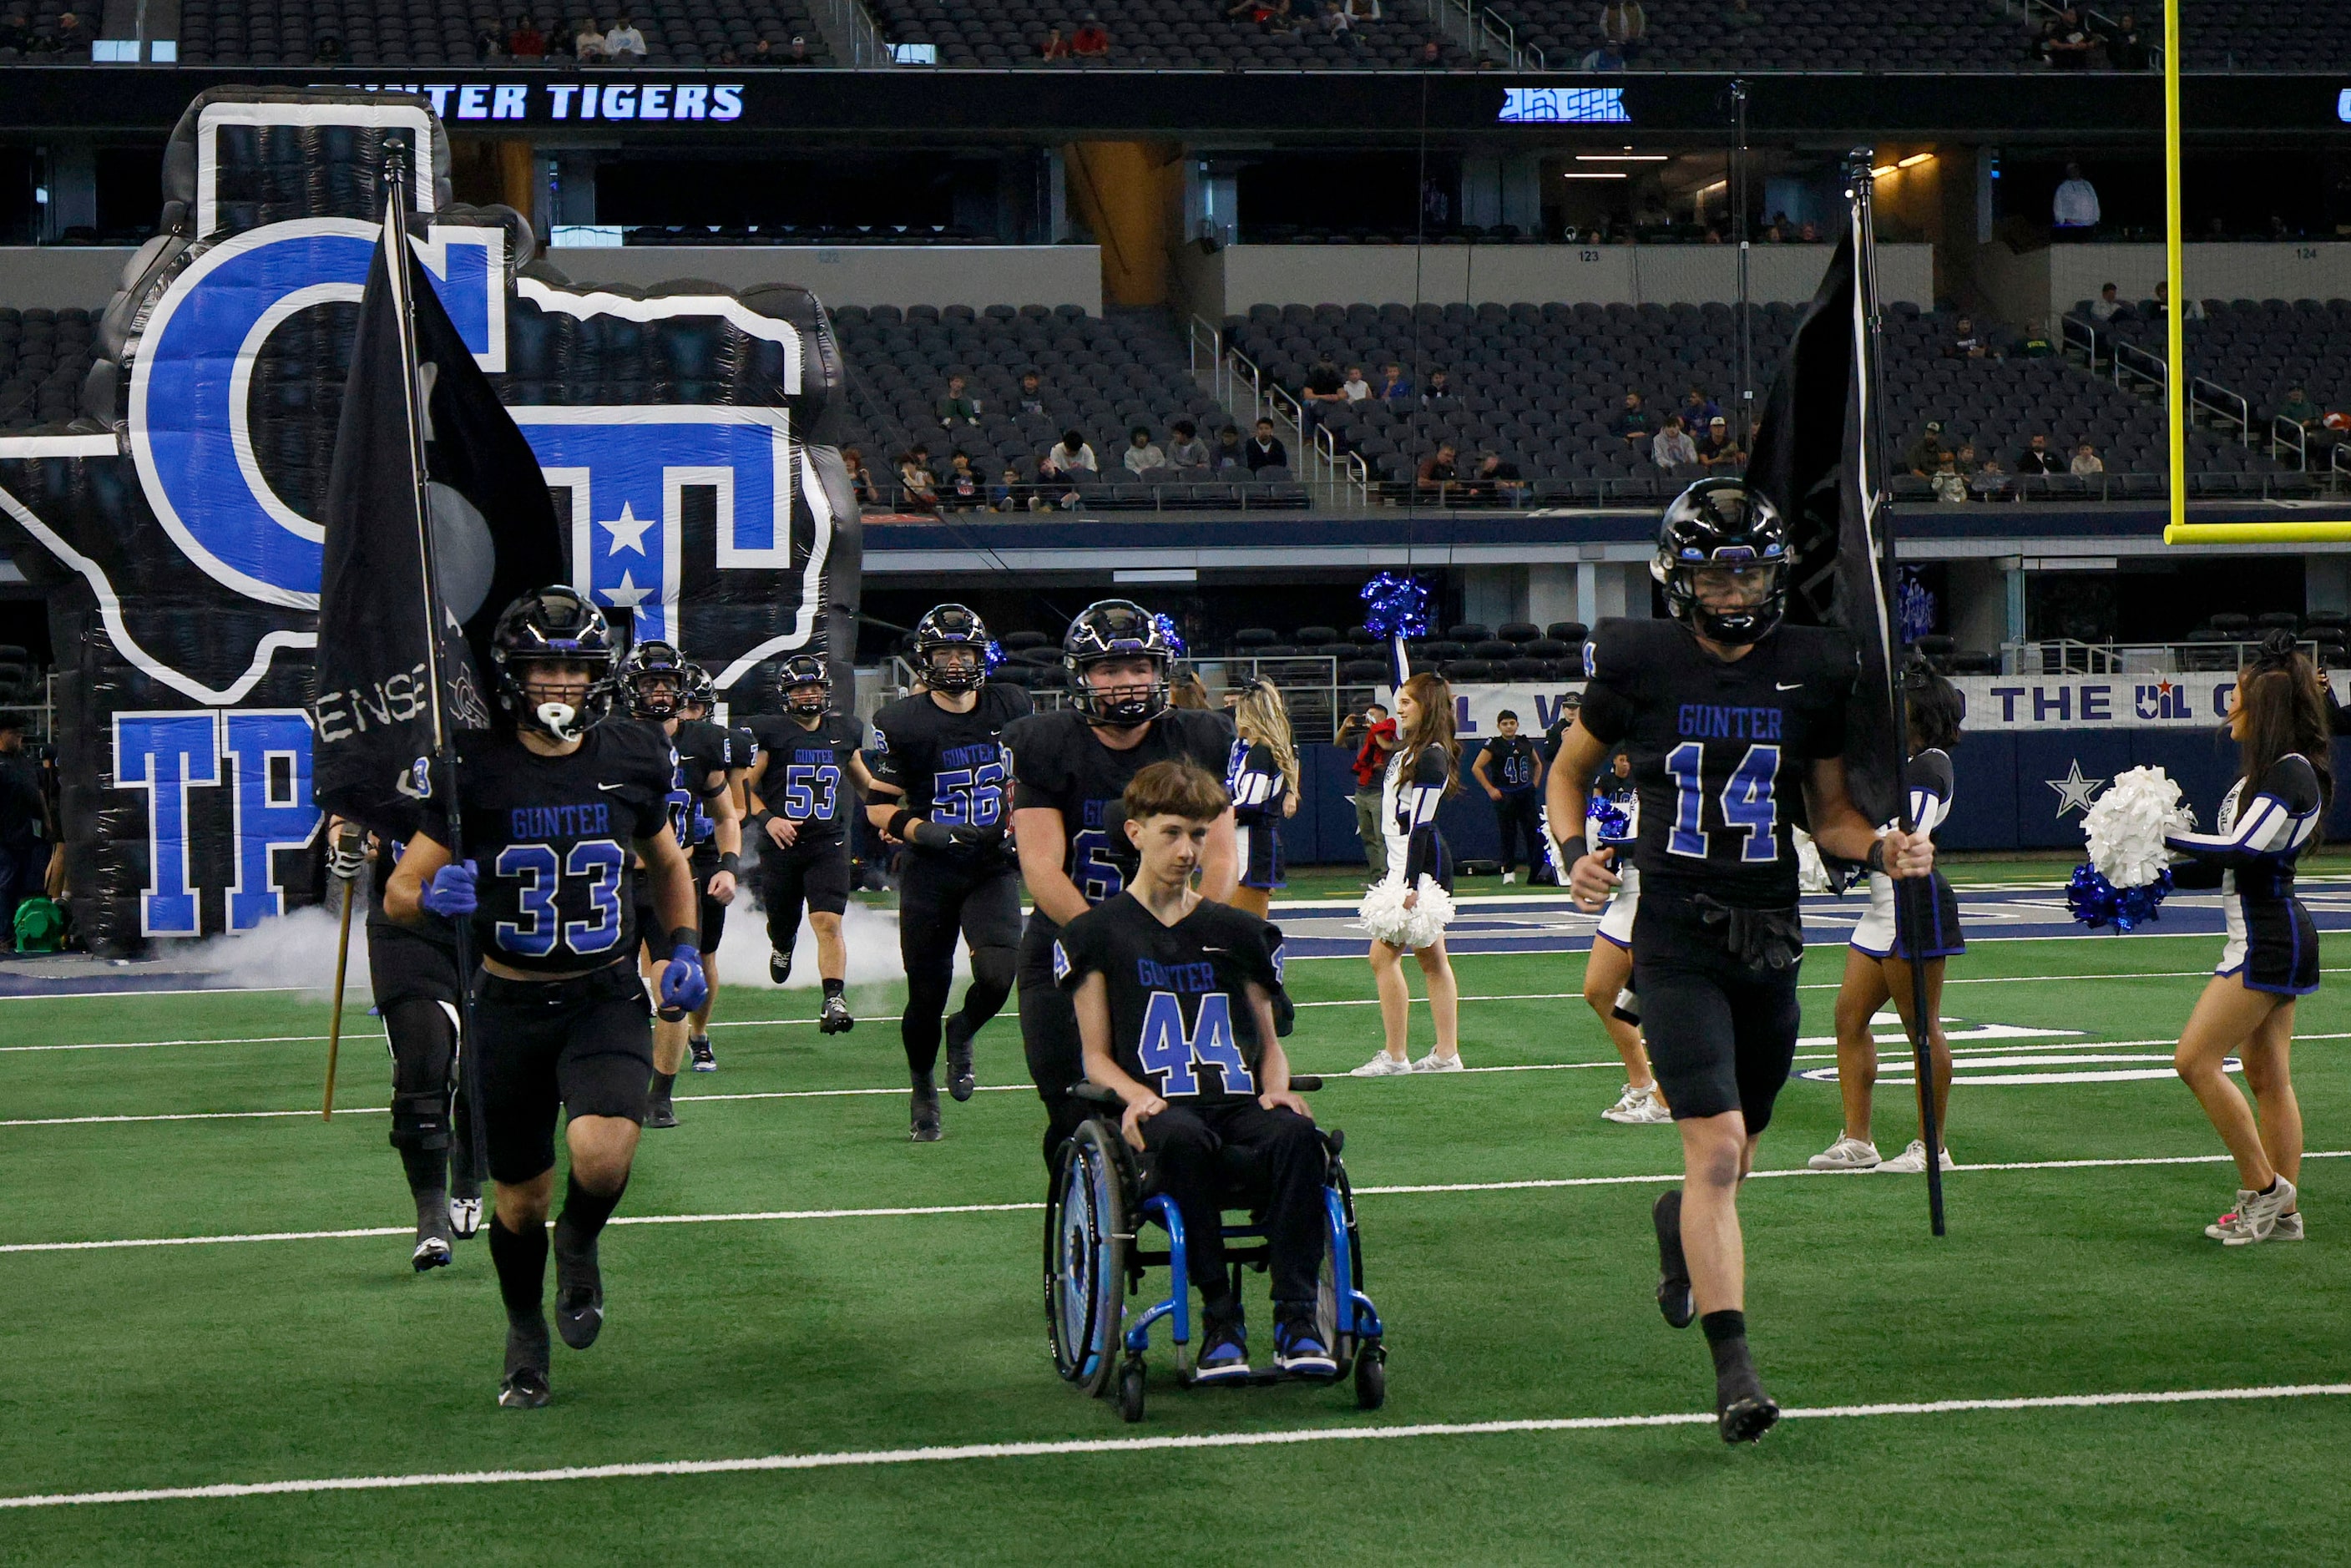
(25, 829)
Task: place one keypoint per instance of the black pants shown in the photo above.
(1183, 1145)
(1721, 1034)
(1049, 1034)
(940, 900)
(793, 879)
(582, 1046)
(1519, 816)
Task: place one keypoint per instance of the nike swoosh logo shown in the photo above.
(1785, 685)
(612, 786)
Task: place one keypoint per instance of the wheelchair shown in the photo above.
(1095, 1256)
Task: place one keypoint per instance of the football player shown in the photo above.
(414, 972)
(709, 856)
(658, 684)
(1510, 769)
(938, 780)
(803, 787)
(551, 805)
(1071, 766)
(1736, 728)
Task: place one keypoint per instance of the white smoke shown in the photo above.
(293, 951)
(871, 934)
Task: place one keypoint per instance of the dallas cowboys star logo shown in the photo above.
(2074, 791)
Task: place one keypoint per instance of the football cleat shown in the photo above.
(431, 1252)
(1674, 1297)
(661, 1111)
(704, 1059)
(525, 1384)
(578, 1294)
(1746, 1417)
(923, 1116)
(959, 1072)
(464, 1216)
(780, 966)
(836, 1019)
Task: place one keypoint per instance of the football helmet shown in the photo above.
(1718, 523)
(655, 679)
(807, 682)
(554, 623)
(951, 626)
(1117, 629)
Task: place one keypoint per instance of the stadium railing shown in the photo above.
(2068, 656)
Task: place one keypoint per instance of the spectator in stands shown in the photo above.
(1430, 55)
(1440, 390)
(1092, 40)
(1394, 387)
(964, 491)
(1438, 472)
(2067, 42)
(72, 40)
(1357, 389)
(1008, 494)
(1606, 56)
(588, 43)
(1774, 235)
(2074, 211)
(1989, 482)
(1032, 393)
(861, 478)
(1810, 233)
(1964, 459)
(1926, 452)
(1265, 449)
(2104, 308)
(1066, 459)
(796, 53)
(2125, 50)
(2087, 462)
(1697, 410)
(2163, 302)
(624, 43)
(1231, 456)
(919, 488)
(489, 44)
(1624, 24)
(958, 407)
(16, 31)
(1324, 382)
(1948, 483)
(1965, 343)
(2036, 457)
(763, 53)
(1338, 26)
(1672, 448)
(1186, 450)
(1719, 451)
(1055, 47)
(1142, 453)
(1498, 479)
(727, 56)
(2298, 408)
(525, 42)
(1632, 424)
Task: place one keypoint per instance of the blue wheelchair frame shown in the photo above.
(1357, 1318)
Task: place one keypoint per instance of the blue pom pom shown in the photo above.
(1397, 607)
(991, 656)
(1609, 823)
(2097, 903)
(1166, 624)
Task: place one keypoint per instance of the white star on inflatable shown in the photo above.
(628, 595)
(2074, 791)
(628, 531)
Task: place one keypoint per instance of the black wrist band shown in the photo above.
(685, 937)
(760, 819)
(1573, 850)
(898, 821)
(1876, 859)
(730, 863)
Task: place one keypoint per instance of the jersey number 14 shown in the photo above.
(1748, 804)
(1166, 1049)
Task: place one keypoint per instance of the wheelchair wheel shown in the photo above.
(1130, 1390)
(1371, 1375)
(1086, 1237)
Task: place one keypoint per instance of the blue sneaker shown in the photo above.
(1299, 1349)
(1224, 1355)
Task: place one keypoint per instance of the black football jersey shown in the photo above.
(951, 766)
(1510, 764)
(702, 749)
(1179, 1012)
(807, 779)
(551, 837)
(1720, 749)
(1255, 781)
(742, 747)
(1058, 763)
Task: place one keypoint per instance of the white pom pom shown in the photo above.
(1812, 876)
(1382, 913)
(2126, 824)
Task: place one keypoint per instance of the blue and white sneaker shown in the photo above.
(1224, 1356)
(1299, 1349)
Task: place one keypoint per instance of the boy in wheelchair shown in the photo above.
(1175, 997)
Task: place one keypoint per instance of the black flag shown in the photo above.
(495, 537)
(1818, 455)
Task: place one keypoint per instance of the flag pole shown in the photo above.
(1910, 893)
(397, 176)
(335, 1020)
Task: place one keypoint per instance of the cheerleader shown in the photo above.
(1264, 783)
(1421, 772)
(2269, 817)
(1608, 971)
(1878, 967)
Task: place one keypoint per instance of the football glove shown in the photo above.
(683, 984)
(450, 894)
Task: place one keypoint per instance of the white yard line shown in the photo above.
(920, 1211)
(967, 1452)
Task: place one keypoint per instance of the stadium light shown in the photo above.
(1622, 157)
(1882, 171)
(1915, 160)
(1617, 174)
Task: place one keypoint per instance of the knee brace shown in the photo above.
(422, 1035)
(995, 967)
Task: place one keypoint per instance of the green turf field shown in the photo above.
(804, 1331)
